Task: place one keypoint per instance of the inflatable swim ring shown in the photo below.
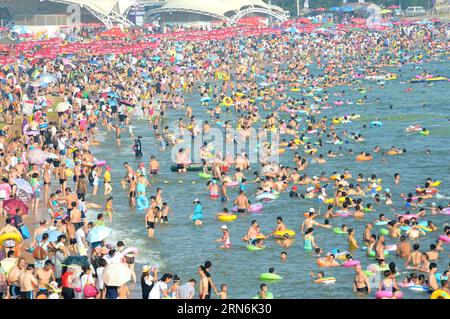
(270, 276)
(253, 208)
(263, 196)
(14, 236)
(338, 230)
(381, 223)
(254, 248)
(269, 295)
(227, 218)
(440, 294)
(363, 158)
(387, 294)
(142, 202)
(325, 280)
(445, 239)
(227, 101)
(372, 253)
(376, 124)
(351, 263)
(204, 175)
(281, 234)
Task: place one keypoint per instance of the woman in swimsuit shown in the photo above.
(225, 238)
(47, 178)
(389, 283)
(352, 243)
(173, 291)
(109, 208)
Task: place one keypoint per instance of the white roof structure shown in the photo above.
(220, 9)
(107, 11)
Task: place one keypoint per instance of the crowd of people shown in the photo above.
(49, 170)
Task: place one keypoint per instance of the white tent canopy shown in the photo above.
(107, 11)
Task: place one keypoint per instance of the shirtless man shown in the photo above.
(414, 258)
(132, 191)
(433, 254)
(75, 216)
(240, 162)
(45, 276)
(9, 229)
(404, 248)
(13, 277)
(252, 233)
(69, 198)
(242, 202)
(28, 283)
(361, 283)
(379, 248)
(153, 167)
(181, 161)
(309, 222)
(71, 233)
(150, 223)
(432, 282)
(414, 233)
(204, 283)
(130, 172)
(280, 225)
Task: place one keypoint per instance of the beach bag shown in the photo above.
(24, 231)
(39, 253)
(77, 285)
(90, 291)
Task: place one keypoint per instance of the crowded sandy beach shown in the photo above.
(297, 160)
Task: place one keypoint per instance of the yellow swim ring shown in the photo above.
(227, 218)
(14, 236)
(227, 101)
(437, 183)
(281, 233)
(440, 294)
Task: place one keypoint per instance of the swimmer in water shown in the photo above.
(283, 256)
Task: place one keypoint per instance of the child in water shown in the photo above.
(109, 208)
(223, 294)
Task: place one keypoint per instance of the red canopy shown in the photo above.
(6, 60)
(304, 21)
(320, 9)
(393, 7)
(358, 21)
(253, 21)
(113, 33)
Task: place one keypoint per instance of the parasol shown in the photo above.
(23, 185)
(10, 205)
(98, 233)
(52, 235)
(62, 107)
(76, 261)
(8, 263)
(116, 275)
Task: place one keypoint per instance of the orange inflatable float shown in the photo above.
(364, 158)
